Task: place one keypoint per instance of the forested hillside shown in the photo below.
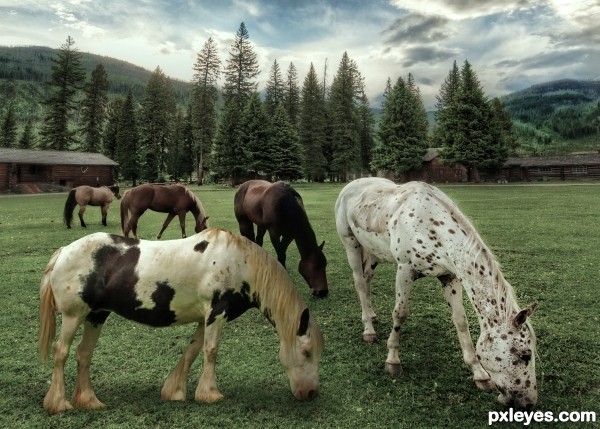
(563, 115)
(24, 71)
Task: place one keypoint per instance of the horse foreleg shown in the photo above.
(104, 210)
(182, 224)
(83, 394)
(405, 277)
(166, 223)
(174, 387)
(207, 386)
(81, 212)
(55, 400)
(453, 294)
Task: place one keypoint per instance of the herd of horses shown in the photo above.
(214, 276)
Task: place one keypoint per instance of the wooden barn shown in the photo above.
(583, 166)
(434, 171)
(69, 169)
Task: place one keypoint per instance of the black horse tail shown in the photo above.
(69, 206)
(124, 211)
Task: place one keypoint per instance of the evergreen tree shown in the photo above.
(204, 100)
(445, 115)
(180, 156)
(113, 116)
(284, 139)
(402, 130)
(345, 145)
(127, 153)
(66, 79)
(156, 122)
(311, 128)
(8, 132)
(275, 89)
(28, 140)
(240, 84)
(366, 122)
(255, 138)
(94, 109)
(471, 143)
(503, 127)
(291, 95)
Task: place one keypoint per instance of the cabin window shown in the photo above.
(545, 170)
(458, 173)
(580, 169)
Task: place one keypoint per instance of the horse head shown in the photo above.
(313, 269)
(115, 190)
(201, 223)
(300, 358)
(507, 353)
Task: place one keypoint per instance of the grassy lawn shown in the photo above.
(546, 238)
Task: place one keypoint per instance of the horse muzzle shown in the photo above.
(306, 393)
(320, 293)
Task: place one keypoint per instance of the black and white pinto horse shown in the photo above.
(418, 228)
(209, 278)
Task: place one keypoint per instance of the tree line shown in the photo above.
(312, 131)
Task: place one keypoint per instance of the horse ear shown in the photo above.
(522, 315)
(321, 246)
(304, 318)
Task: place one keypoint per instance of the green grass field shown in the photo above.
(546, 238)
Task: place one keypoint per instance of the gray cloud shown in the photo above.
(427, 55)
(416, 28)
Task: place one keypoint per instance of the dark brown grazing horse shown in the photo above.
(278, 208)
(176, 200)
(88, 196)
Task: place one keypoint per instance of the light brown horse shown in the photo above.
(278, 208)
(175, 200)
(88, 196)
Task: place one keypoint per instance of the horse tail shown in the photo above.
(124, 210)
(69, 206)
(47, 311)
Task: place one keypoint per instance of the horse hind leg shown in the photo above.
(83, 394)
(207, 390)
(405, 276)
(175, 386)
(81, 212)
(104, 210)
(55, 400)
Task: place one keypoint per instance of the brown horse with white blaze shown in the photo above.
(278, 209)
(175, 200)
(88, 196)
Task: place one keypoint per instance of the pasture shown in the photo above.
(545, 237)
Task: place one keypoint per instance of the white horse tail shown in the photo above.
(47, 311)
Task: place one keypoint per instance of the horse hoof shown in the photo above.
(369, 338)
(393, 368)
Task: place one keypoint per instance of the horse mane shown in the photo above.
(275, 291)
(196, 200)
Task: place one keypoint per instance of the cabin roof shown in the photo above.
(53, 157)
(592, 158)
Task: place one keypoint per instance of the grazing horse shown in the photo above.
(176, 200)
(418, 228)
(278, 208)
(88, 196)
(209, 278)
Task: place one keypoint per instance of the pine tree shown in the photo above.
(291, 95)
(255, 138)
(8, 132)
(66, 79)
(113, 116)
(240, 84)
(156, 122)
(445, 116)
(503, 128)
(366, 122)
(204, 100)
(180, 156)
(28, 140)
(275, 89)
(311, 128)
(345, 145)
(94, 109)
(471, 143)
(284, 140)
(402, 130)
(127, 153)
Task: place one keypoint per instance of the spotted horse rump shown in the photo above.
(421, 230)
(209, 278)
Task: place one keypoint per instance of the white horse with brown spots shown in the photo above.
(209, 278)
(418, 228)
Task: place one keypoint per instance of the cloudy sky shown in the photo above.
(511, 44)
